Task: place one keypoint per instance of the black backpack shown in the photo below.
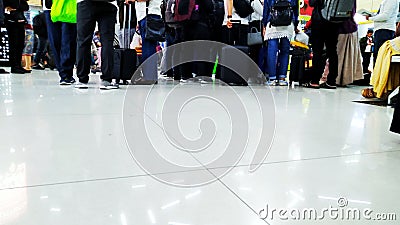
(281, 13)
(243, 8)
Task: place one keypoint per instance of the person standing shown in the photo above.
(349, 54)
(104, 13)
(40, 29)
(366, 46)
(15, 23)
(384, 23)
(278, 38)
(144, 10)
(62, 39)
(324, 34)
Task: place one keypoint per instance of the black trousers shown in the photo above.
(324, 33)
(366, 61)
(16, 36)
(197, 31)
(88, 14)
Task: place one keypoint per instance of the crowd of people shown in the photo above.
(339, 57)
(67, 41)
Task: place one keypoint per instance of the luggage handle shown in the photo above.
(234, 22)
(127, 19)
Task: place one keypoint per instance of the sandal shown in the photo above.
(310, 85)
(368, 93)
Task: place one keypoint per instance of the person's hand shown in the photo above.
(9, 9)
(296, 30)
(264, 30)
(229, 24)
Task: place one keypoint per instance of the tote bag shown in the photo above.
(64, 11)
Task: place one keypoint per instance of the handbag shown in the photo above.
(64, 11)
(155, 27)
(254, 38)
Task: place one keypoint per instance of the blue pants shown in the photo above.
(278, 58)
(148, 49)
(62, 39)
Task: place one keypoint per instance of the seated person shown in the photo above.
(385, 78)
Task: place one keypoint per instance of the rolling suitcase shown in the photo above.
(227, 75)
(125, 59)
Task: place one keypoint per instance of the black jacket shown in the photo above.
(1, 12)
(318, 5)
(20, 5)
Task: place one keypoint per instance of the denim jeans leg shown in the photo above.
(271, 58)
(68, 50)
(283, 59)
(54, 36)
(148, 51)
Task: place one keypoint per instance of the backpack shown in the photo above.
(281, 13)
(337, 11)
(218, 13)
(243, 8)
(179, 11)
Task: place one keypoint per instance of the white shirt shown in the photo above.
(154, 8)
(387, 16)
(258, 10)
(44, 5)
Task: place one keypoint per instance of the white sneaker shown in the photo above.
(106, 85)
(80, 85)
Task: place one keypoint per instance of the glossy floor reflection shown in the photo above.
(106, 157)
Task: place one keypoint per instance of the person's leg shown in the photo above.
(202, 32)
(85, 28)
(148, 49)
(54, 37)
(283, 59)
(68, 50)
(318, 62)
(106, 17)
(20, 29)
(331, 52)
(40, 50)
(271, 59)
(12, 36)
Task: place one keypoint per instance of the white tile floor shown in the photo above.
(64, 158)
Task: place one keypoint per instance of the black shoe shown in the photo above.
(27, 71)
(37, 67)
(18, 70)
(3, 71)
(327, 86)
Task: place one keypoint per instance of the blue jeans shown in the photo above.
(62, 39)
(278, 57)
(262, 59)
(380, 37)
(148, 50)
